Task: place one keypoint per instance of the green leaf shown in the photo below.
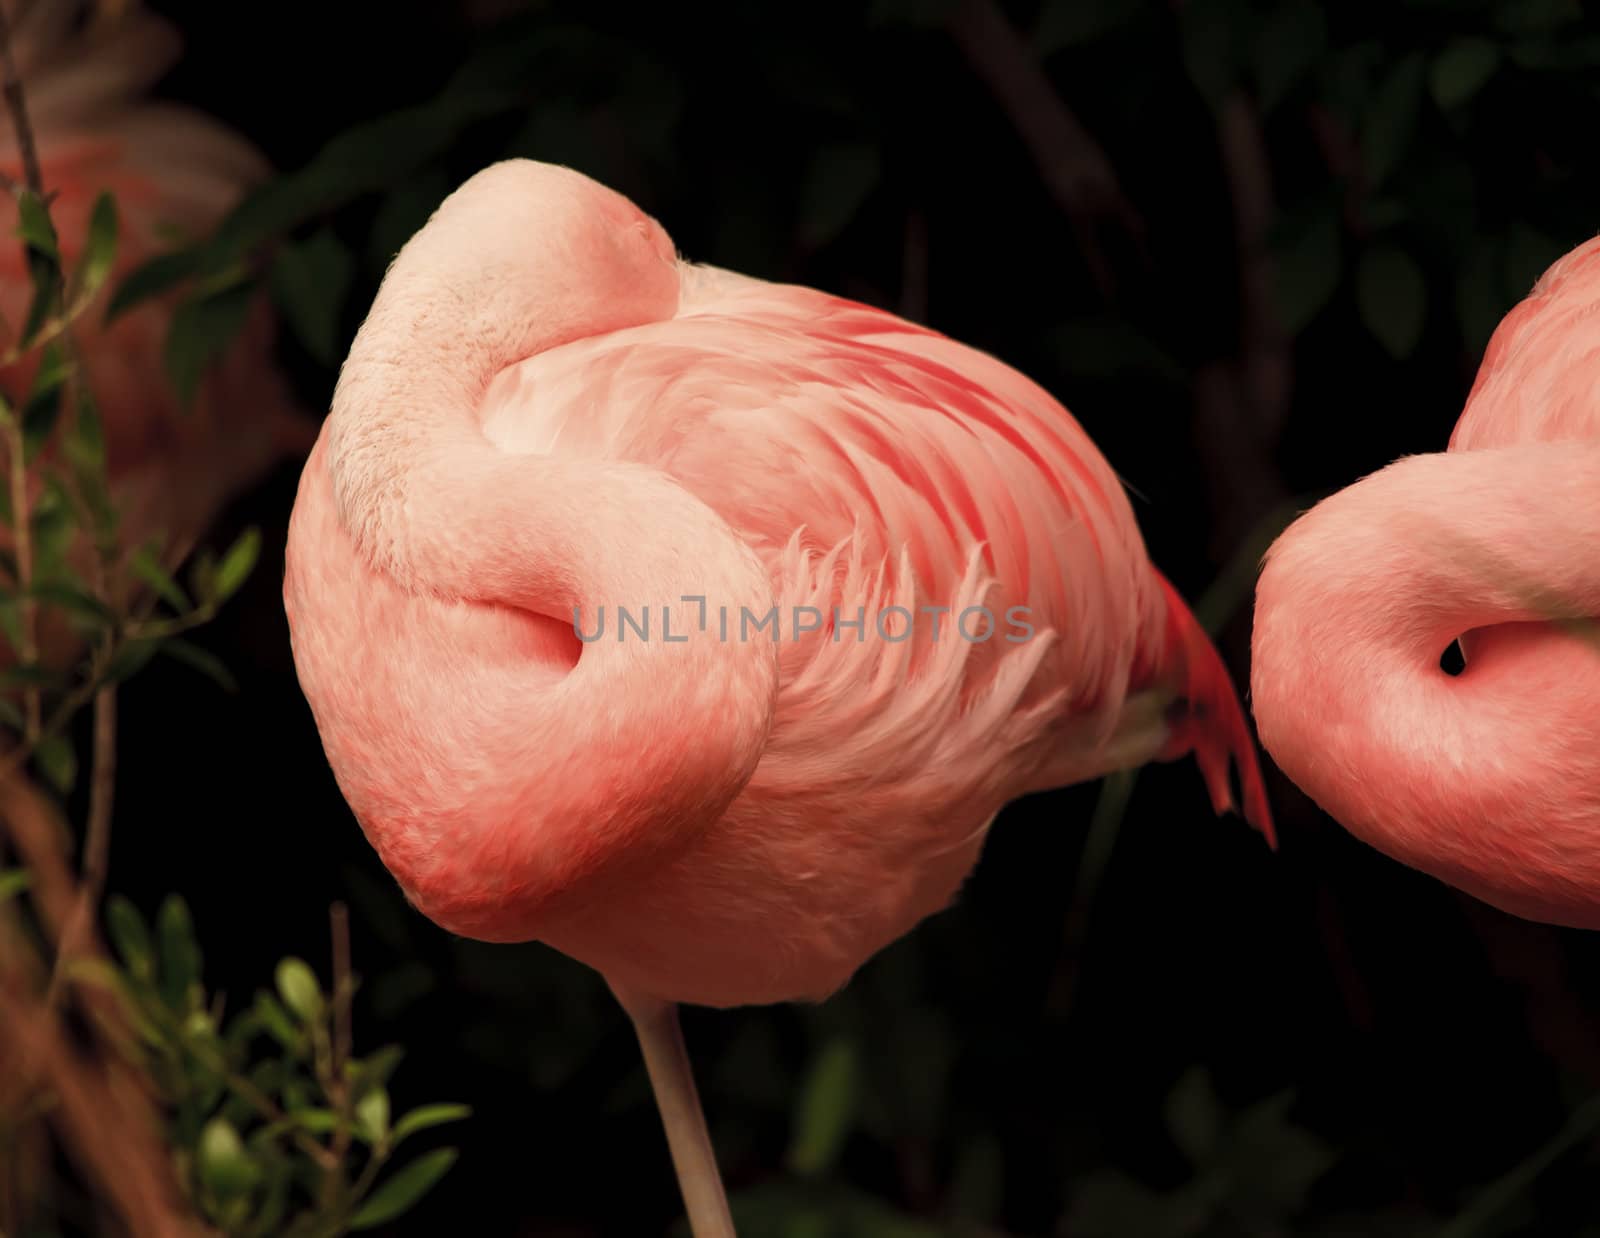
(404, 210)
(30, 675)
(1524, 16)
(203, 576)
(1461, 71)
(297, 985)
(372, 1115)
(34, 226)
(1110, 347)
(401, 1190)
(13, 881)
(76, 601)
(838, 182)
(316, 1120)
(375, 1069)
(45, 277)
(202, 660)
(1306, 270)
(826, 1210)
(180, 952)
(1073, 23)
(1211, 45)
(827, 1109)
(425, 1116)
(977, 1184)
(99, 248)
(86, 452)
(364, 159)
(237, 564)
(130, 659)
(1195, 1116)
(226, 1167)
(155, 277)
(276, 1023)
(43, 406)
(55, 527)
(1529, 254)
(310, 284)
(57, 760)
(144, 564)
(53, 372)
(1391, 118)
(1392, 297)
(1480, 299)
(201, 331)
(11, 622)
(1289, 46)
(129, 935)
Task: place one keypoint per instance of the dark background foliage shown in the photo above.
(1256, 248)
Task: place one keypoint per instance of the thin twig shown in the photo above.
(343, 987)
(97, 836)
(112, 1133)
(337, 1086)
(17, 105)
(1240, 402)
(22, 548)
(97, 842)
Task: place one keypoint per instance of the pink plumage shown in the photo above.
(1489, 780)
(547, 412)
(174, 174)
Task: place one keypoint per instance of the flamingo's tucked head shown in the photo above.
(434, 582)
(1490, 780)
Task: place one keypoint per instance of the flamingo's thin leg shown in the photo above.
(667, 1060)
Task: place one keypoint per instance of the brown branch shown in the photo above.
(1343, 157)
(97, 841)
(1241, 402)
(1069, 161)
(336, 1085)
(343, 986)
(101, 1107)
(1264, 344)
(22, 547)
(102, 788)
(110, 1129)
(17, 105)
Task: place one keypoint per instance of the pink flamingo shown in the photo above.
(547, 417)
(1489, 780)
(172, 171)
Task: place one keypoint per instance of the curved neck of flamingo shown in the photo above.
(1489, 780)
(531, 783)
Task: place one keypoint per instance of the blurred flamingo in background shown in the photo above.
(1489, 780)
(547, 417)
(174, 174)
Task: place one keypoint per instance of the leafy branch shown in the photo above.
(267, 1141)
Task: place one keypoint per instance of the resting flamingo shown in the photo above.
(1489, 780)
(546, 417)
(174, 173)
